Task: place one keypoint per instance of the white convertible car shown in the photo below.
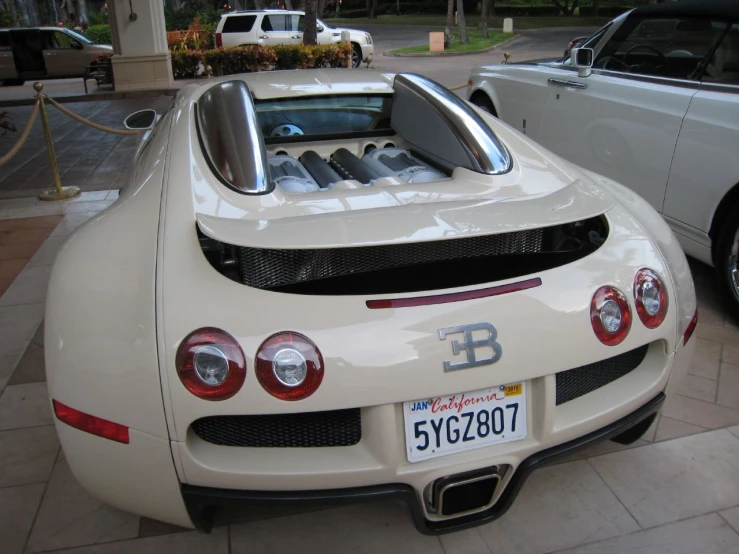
(333, 286)
(658, 112)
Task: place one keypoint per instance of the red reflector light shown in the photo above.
(691, 328)
(650, 298)
(453, 297)
(90, 424)
(289, 366)
(610, 316)
(219, 40)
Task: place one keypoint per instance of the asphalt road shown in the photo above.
(454, 70)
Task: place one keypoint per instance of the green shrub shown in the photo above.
(241, 59)
(97, 18)
(250, 59)
(99, 34)
(185, 63)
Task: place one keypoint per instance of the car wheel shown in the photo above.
(356, 55)
(482, 101)
(728, 260)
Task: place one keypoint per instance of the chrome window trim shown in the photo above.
(719, 87)
(486, 151)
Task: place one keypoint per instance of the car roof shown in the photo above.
(717, 9)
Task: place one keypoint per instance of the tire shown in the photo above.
(727, 261)
(356, 56)
(482, 101)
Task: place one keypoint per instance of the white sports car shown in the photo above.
(335, 286)
(658, 112)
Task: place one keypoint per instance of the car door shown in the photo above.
(64, 56)
(28, 52)
(623, 121)
(7, 64)
(297, 27)
(706, 163)
(275, 30)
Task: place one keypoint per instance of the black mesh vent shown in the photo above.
(270, 268)
(574, 383)
(305, 430)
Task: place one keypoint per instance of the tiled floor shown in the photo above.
(87, 158)
(676, 490)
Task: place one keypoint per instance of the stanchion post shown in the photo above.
(57, 192)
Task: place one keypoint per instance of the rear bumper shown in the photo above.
(201, 502)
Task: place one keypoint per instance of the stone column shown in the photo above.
(141, 60)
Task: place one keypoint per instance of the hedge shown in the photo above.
(249, 59)
(99, 34)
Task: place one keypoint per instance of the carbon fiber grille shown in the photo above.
(269, 268)
(304, 430)
(577, 382)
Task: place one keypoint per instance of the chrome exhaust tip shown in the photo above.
(463, 493)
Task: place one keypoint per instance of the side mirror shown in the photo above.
(76, 45)
(582, 59)
(143, 119)
(319, 29)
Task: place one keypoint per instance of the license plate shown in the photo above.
(449, 424)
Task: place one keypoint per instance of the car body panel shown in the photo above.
(706, 159)
(112, 345)
(652, 133)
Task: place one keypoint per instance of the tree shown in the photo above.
(567, 7)
(464, 37)
(372, 9)
(484, 18)
(309, 35)
(449, 22)
(288, 4)
(596, 8)
(321, 7)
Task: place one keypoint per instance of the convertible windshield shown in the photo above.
(670, 47)
(312, 117)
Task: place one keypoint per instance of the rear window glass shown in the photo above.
(318, 116)
(239, 24)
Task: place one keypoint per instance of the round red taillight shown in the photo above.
(289, 366)
(210, 364)
(650, 298)
(610, 315)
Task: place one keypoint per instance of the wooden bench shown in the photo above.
(102, 72)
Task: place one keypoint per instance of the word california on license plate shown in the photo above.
(449, 424)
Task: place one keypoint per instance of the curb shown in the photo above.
(95, 97)
(389, 54)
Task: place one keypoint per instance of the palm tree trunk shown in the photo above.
(449, 23)
(464, 37)
(309, 35)
(484, 18)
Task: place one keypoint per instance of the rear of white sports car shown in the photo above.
(428, 309)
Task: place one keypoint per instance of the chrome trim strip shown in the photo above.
(568, 84)
(667, 81)
(231, 138)
(719, 87)
(482, 145)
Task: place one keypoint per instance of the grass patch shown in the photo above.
(477, 43)
(519, 23)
